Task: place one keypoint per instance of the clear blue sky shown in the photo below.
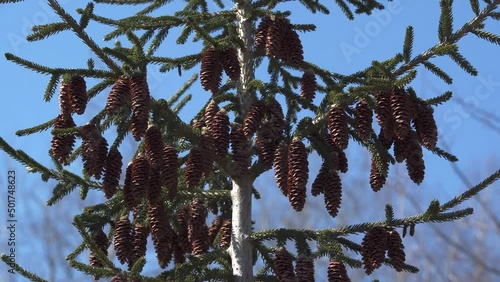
(338, 44)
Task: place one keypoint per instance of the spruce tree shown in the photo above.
(182, 170)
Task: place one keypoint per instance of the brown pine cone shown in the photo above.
(253, 118)
(154, 146)
(276, 118)
(140, 98)
(415, 160)
(342, 164)
(337, 271)
(119, 95)
(275, 37)
(161, 233)
(280, 165)
(182, 216)
(240, 150)
(265, 145)
(128, 190)
(283, 265)
(210, 111)
(261, 33)
(214, 229)
(229, 58)
(197, 228)
(122, 239)
(112, 172)
(140, 177)
(169, 171)
(94, 155)
(225, 234)
(220, 133)
(308, 85)
(139, 242)
(64, 99)
(377, 179)
(179, 254)
(211, 70)
(363, 118)
(320, 182)
(119, 278)
(337, 123)
(382, 137)
(154, 191)
(194, 167)
(62, 145)
(207, 148)
(401, 112)
(373, 250)
(384, 114)
(425, 125)
(78, 94)
(304, 269)
(333, 193)
(395, 250)
(298, 174)
(401, 148)
(293, 51)
(102, 242)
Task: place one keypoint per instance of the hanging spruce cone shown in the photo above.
(207, 148)
(333, 193)
(275, 37)
(342, 164)
(425, 125)
(140, 177)
(308, 85)
(337, 123)
(395, 250)
(298, 173)
(265, 145)
(377, 179)
(401, 112)
(211, 70)
(239, 149)
(154, 146)
(140, 98)
(102, 242)
(276, 118)
(384, 114)
(169, 170)
(78, 94)
(304, 269)
(415, 160)
(179, 254)
(253, 118)
(128, 192)
(401, 148)
(220, 133)
(382, 137)
(139, 242)
(194, 167)
(261, 33)
(214, 229)
(119, 278)
(64, 99)
(225, 234)
(112, 172)
(122, 239)
(363, 118)
(337, 271)
(119, 95)
(321, 180)
(197, 228)
(280, 165)
(373, 249)
(230, 63)
(94, 151)
(293, 51)
(210, 111)
(182, 216)
(161, 233)
(154, 191)
(283, 265)
(62, 145)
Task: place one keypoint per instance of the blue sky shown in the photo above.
(338, 44)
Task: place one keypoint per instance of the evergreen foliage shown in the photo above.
(263, 134)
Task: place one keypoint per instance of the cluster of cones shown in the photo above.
(304, 268)
(213, 62)
(376, 243)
